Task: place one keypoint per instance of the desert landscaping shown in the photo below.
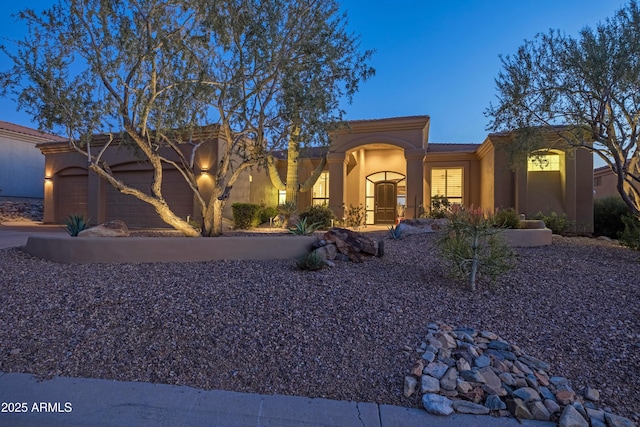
(347, 332)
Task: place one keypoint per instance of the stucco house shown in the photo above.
(386, 165)
(21, 163)
(605, 183)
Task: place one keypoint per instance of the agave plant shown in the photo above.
(287, 210)
(302, 228)
(310, 261)
(395, 232)
(75, 224)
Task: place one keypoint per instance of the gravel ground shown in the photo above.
(338, 333)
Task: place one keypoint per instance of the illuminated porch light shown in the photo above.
(204, 171)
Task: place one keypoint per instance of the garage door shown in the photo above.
(70, 195)
(136, 213)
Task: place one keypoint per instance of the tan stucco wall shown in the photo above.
(84, 250)
(545, 192)
(584, 191)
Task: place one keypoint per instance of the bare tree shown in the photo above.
(158, 74)
(581, 93)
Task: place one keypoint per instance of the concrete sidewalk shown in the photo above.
(91, 402)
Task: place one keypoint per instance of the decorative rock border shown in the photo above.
(477, 372)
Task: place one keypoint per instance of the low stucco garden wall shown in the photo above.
(527, 238)
(165, 249)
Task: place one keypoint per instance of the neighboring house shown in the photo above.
(605, 183)
(387, 165)
(21, 163)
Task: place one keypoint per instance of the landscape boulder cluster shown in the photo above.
(16, 210)
(476, 372)
(344, 244)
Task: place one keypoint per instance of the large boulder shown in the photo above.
(422, 225)
(115, 228)
(352, 244)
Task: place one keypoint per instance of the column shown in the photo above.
(337, 182)
(415, 182)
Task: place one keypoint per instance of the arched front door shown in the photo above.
(385, 202)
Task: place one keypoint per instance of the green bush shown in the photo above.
(246, 215)
(506, 218)
(318, 214)
(311, 261)
(607, 216)
(472, 247)
(267, 212)
(75, 224)
(440, 206)
(558, 224)
(630, 236)
(355, 216)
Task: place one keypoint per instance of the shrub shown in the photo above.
(558, 224)
(607, 216)
(395, 232)
(318, 214)
(355, 216)
(506, 218)
(440, 206)
(75, 224)
(267, 212)
(472, 247)
(304, 228)
(287, 210)
(310, 261)
(630, 236)
(246, 215)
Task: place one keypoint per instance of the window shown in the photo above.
(320, 192)
(543, 163)
(447, 182)
(282, 197)
(597, 181)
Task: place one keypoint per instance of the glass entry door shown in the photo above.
(385, 202)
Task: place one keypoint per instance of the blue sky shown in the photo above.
(438, 58)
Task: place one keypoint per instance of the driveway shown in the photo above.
(13, 234)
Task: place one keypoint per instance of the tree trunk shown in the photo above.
(175, 221)
(293, 153)
(631, 188)
(212, 218)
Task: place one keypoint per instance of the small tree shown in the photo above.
(588, 84)
(153, 75)
(471, 246)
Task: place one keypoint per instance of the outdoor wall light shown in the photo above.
(204, 171)
(47, 179)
